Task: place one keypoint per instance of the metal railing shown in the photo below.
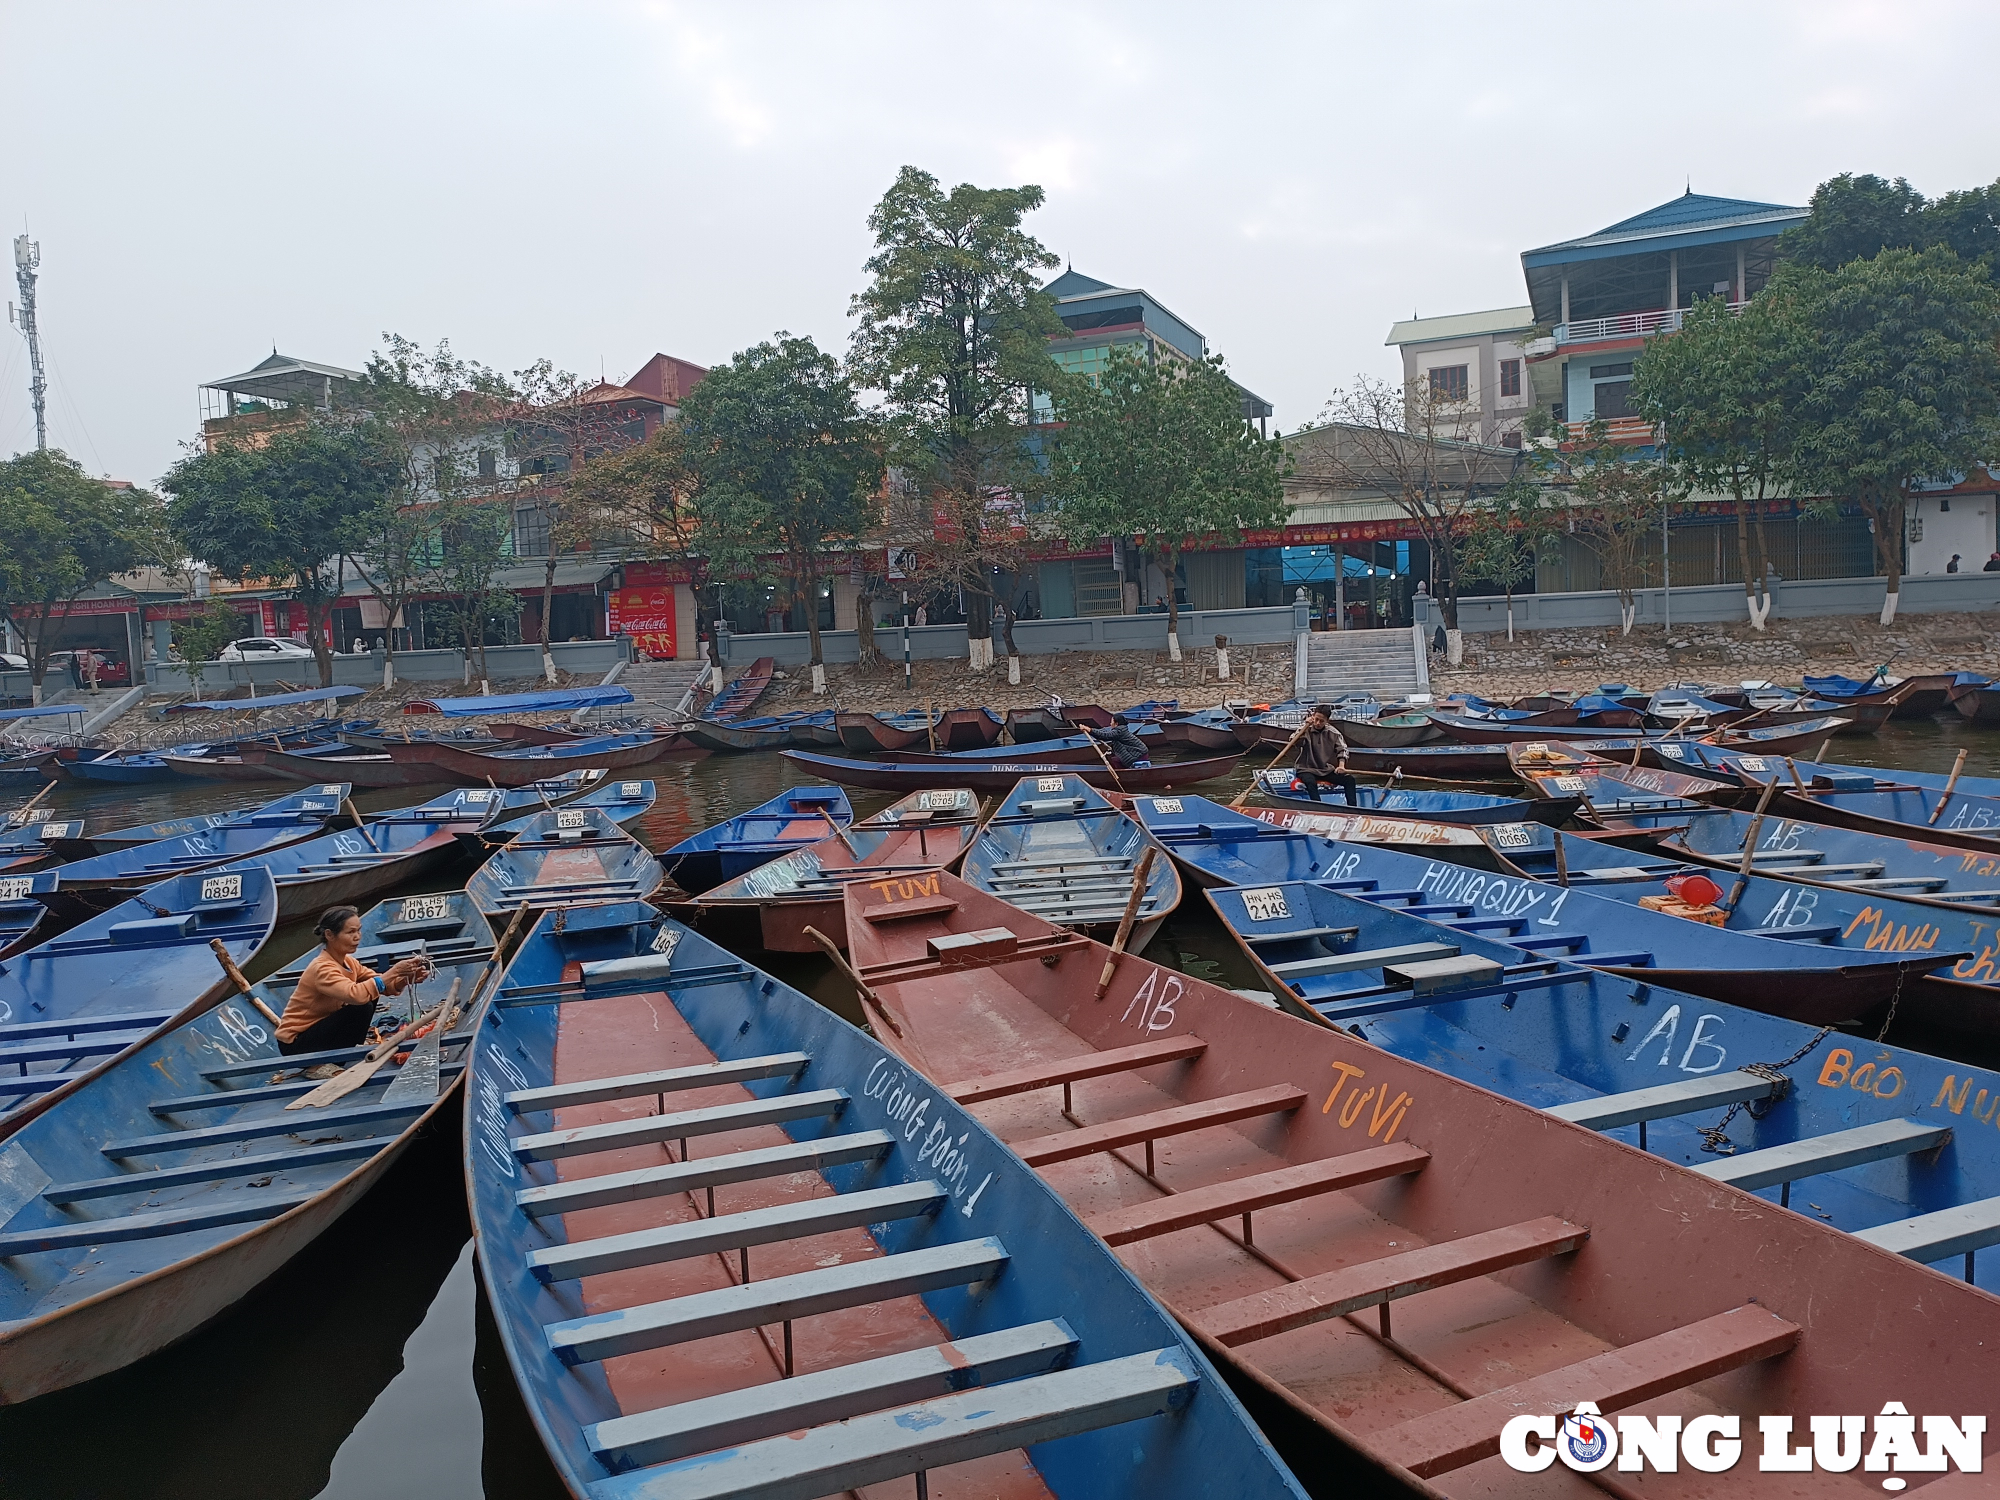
(1625, 325)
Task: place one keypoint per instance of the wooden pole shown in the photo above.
(1750, 845)
(1098, 746)
(1125, 922)
(1562, 860)
(868, 996)
(1797, 781)
(236, 978)
(361, 827)
(930, 725)
(1286, 750)
(19, 816)
(1945, 796)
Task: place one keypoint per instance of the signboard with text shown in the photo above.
(645, 614)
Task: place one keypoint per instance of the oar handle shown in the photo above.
(1945, 796)
(236, 978)
(361, 827)
(1125, 922)
(868, 997)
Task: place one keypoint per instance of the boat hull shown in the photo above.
(471, 769)
(371, 771)
(969, 728)
(1000, 776)
(868, 733)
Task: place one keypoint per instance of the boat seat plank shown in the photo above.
(710, 1171)
(781, 1406)
(660, 1081)
(316, 1123)
(1825, 1153)
(1242, 1195)
(1365, 958)
(1492, 924)
(99, 1045)
(1635, 958)
(115, 1231)
(35, 1083)
(210, 1171)
(1922, 883)
(1340, 933)
(1664, 1102)
(1874, 866)
(904, 1440)
(1179, 1120)
(901, 911)
(1119, 862)
(1264, 1315)
(1789, 856)
(231, 1098)
(645, 1130)
(723, 1232)
(1958, 1230)
(1794, 934)
(1074, 1069)
(1440, 1441)
(130, 1021)
(730, 1309)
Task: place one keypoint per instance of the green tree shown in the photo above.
(1504, 534)
(1725, 393)
(200, 639)
(783, 458)
(953, 331)
(474, 535)
(287, 512)
(1158, 448)
(61, 534)
(1856, 217)
(1904, 387)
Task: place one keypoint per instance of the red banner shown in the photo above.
(653, 575)
(645, 614)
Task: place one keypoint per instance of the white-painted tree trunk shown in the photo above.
(1510, 622)
(548, 665)
(465, 672)
(819, 677)
(979, 655)
(715, 679)
(1013, 671)
(1627, 613)
(1173, 645)
(1889, 608)
(485, 688)
(1454, 648)
(388, 673)
(1222, 666)
(35, 697)
(1759, 610)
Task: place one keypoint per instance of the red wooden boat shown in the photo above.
(1396, 1264)
(997, 778)
(1048, 752)
(357, 770)
(741, 693)
(968, 728)
(472, 768)
(871, 732)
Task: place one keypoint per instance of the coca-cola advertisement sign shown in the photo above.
(647, 615)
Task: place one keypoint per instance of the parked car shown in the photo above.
(265, 648)
(9, 662)
(112, 671)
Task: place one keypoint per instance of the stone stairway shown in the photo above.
(1390, 664)
(657, 686)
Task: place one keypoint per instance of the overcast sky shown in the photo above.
(594, 182)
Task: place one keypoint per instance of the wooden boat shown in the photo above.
(1069, 750)
(1468, 809)
(1443, 840)
(874, 1287)
(241, 767)
(1027, 726)
(1752, 771)
(810, 730)
(1055, 847)
(796, 817)
(773, 905)
(310, 811)
(519, 767)
(129, 769)
(1444, 761)
(623, 802)
(968, 728)
(1778, 740)
(1965, 820)
(1274, 726)
(1542, 1032)
(1371, 1182)
(1821, 987)
(1204, 729)
(72, 1004)
(996, 778)
(1976, 702)
(368, 771)
(87, 886)
(742, 692)
(176, 1182)
(1931, 693)
(867, 733)
(1610, 789)
(1392, 733)
(565, 856)
(770, 733)
(350, 867)
(376, 742)
(24, 921)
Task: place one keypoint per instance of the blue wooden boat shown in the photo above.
(1965, 820)
(1839, 1129)
(129, 769)
(1469, 809)
(1819, 986)
(24, 921)
(1056, 847)
(1752, 771)
(796, 817)
(566, 855)
(624, 802)
(70, 1005)
(176, 1181)
(309, 808)
(91, 885)
(348, 867)
(874, 1287)
(1064, 750)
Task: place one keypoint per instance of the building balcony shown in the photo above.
(1636, 325)
(1631, 432)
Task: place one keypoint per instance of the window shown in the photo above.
(489, 465)
(1510, 439)
(1510, 377)
(1448, 382)
(1614, 399)
(531, 531)
(1610, 372)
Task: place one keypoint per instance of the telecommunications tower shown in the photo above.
(27, 256)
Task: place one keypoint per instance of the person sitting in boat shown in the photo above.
(337, 995)
(1125, 748)
(1323, 756)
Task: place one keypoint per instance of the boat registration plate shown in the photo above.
(666, 940)
(221, 887)
(313, 804)
(1166, 804)
(571, 818)
(1512, 835)
(945, 801)
(1673, 752)
(631, 789)
(483, 795)
(59, 831)
(15, 887)
(331, 789)
(1752, 763)
(425, 908)
(1048, 783)
(1571, 783)
(1266, 905)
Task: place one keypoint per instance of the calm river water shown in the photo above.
(369, 1368)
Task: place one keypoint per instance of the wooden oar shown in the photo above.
(418, 1078)
(1945, 796)
(1111, 769)
(1125, 922)
(19, 816)
(868, 996)
(361, 827)
(1562, 860)
(1237, 804)
(351, 1077)
(1750, 845)
(236, 978)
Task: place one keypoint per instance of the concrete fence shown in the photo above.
(1199, 627)
(1931, 593)
(503, 663)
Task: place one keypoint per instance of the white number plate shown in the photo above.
(665, 940)
(573, 818)
(221, 887)
(1166, 804)
(332, 789)
(38, 815)
(1265, 905)
(477, 796)
(631, 788)
(1752, 763)
(313, 804)
(15, 887)
(1048, 784)
(1673, 752)
(60, 831)
(1512, 835)
(425, 908)
(942, 801)
(1571, 783)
